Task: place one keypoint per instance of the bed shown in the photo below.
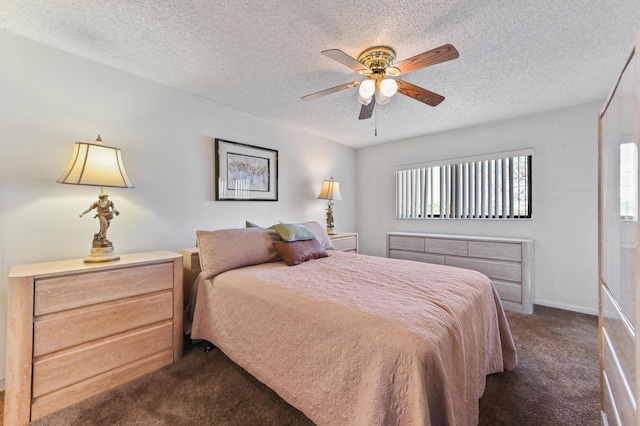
(351, 339)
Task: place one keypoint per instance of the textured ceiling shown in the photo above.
(516, 57)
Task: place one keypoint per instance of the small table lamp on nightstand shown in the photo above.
(330, 191)
(98, 165)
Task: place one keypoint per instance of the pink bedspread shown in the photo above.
(360, 340)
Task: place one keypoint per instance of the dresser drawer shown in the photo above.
(72, 291)
(345, 244)
(81, 363)
(406, 243)
(345, 241)
(70, 328)
(620, 337)
(419, 257)
(493, 269)
(498, 251)
(511, 292)
(442, 246)
(79, 391)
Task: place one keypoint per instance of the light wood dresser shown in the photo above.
(507, 261)
(77, 329)
(345, 241)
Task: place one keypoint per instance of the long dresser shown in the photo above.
(507, 261)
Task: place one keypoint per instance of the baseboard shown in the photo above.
(2, 385)
(566, 307)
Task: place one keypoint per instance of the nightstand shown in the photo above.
(345, 241)
(190, 270)
(77, 329)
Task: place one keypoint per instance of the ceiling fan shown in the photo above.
(377, 63)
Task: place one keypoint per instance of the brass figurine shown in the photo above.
(105, 209)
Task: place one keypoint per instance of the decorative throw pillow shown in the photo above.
(252, 225)
(321, 234)
(293, 232)
(226, 249)
(296, 252)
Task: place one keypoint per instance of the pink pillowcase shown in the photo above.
(226, 249)
(296, 252)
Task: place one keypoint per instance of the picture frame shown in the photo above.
(245, 172)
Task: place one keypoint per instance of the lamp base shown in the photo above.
(102, 254)
(99, 255)
(101, 251)
(331, 231)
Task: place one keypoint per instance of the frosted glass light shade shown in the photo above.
(381, 99)
(96, 165)
(367, 88)
(364, 101)
(365, 92)
(388, 87)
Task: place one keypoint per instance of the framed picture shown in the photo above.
(245, 172)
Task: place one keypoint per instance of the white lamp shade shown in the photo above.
(330, 190)
(388, 87)
(96, 165)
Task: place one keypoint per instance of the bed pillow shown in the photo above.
(296, 252)
(315, 227)
(321, 234)
(226, 249)
(293, 232)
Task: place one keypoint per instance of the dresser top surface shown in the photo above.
(343, 234)
(78, 265)
(462, 237)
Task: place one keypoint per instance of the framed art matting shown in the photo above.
(245, 172)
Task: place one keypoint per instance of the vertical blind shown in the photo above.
(496, 186)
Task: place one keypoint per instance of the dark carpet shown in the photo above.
(555, 383)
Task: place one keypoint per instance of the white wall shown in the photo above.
(50, 99)
(565, 174)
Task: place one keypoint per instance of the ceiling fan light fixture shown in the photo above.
(393, 71)
(388, 87)
(365, 91)
(381, 99)
(364, 101)
(379, 62)
(367, 88)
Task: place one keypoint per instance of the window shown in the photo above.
(496, 186)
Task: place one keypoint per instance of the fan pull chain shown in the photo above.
(375, 119)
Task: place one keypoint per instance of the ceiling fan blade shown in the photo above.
(435, 56)
(339, 56)
(367, 110)
(419, 94)
(330, 90)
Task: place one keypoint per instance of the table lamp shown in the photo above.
(95, 164)
(330, 191)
